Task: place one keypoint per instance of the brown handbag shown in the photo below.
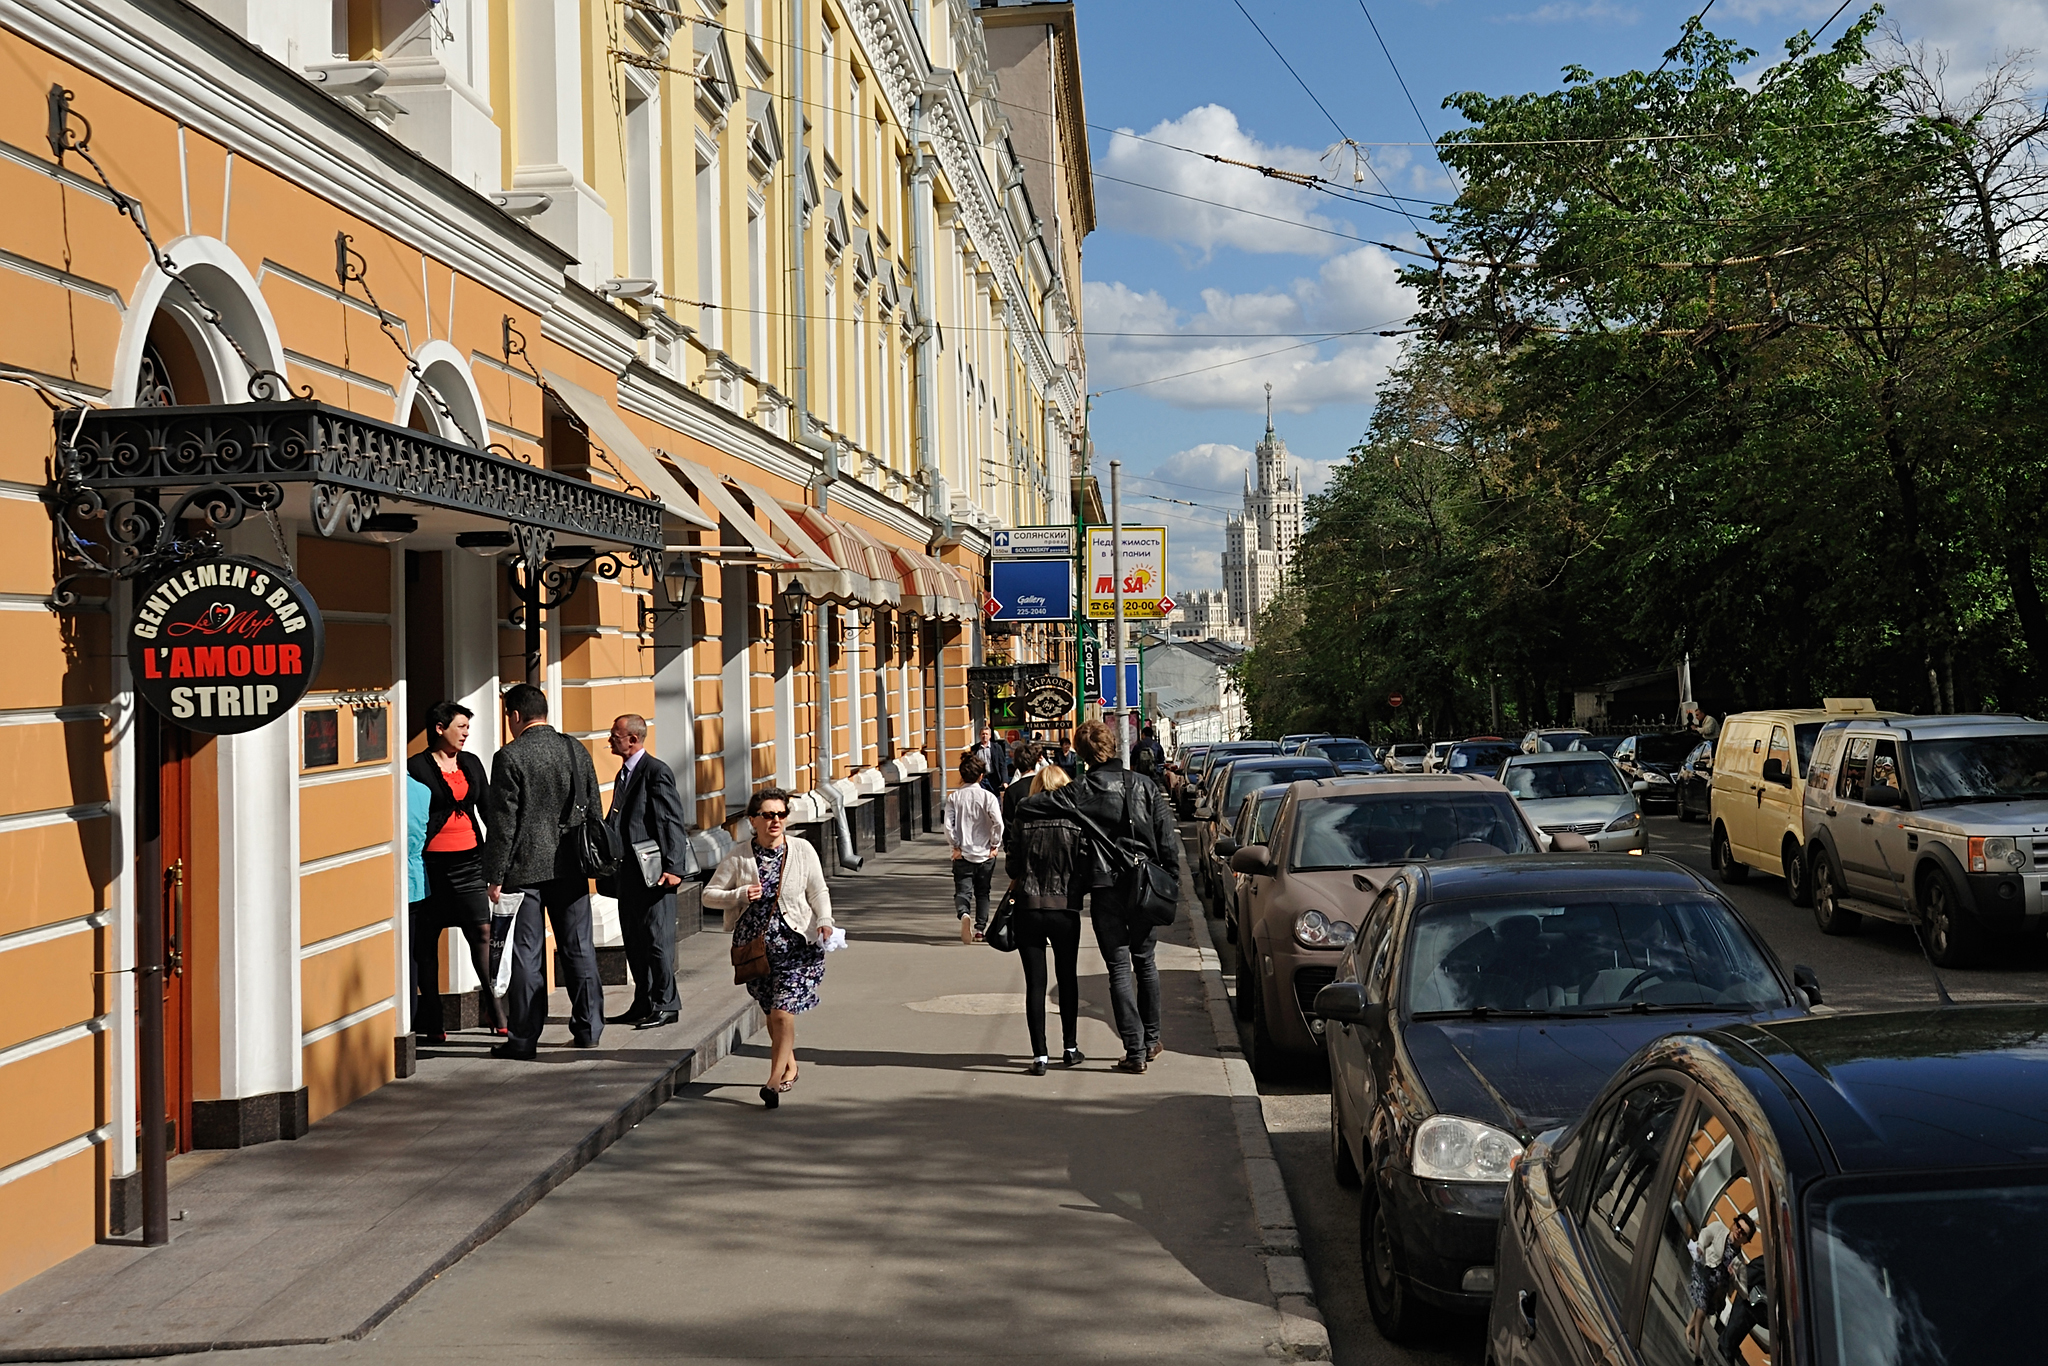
(749, 960)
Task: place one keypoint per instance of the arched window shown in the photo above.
(178, 348)
(445, 402)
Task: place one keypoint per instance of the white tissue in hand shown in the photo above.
(835, 940)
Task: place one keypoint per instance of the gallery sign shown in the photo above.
(1030, 590)
(224, 646)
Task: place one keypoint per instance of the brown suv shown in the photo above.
(1334, 843)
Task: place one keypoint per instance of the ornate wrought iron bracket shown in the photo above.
(138, 536)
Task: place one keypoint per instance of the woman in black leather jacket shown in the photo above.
(1048, 877)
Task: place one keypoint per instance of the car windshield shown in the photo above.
(1606, 744)
(1610, 952)
(1345, 751)
(1409, 751)
(1484, 758)
(1573, 778)
(1244, 779)
(1981, 768)
(1262, 821)
(1667, 749)
(1376, 829)
(1902, 1276)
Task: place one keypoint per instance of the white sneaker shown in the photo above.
(967, 929)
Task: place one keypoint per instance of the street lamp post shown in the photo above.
(1116, 569)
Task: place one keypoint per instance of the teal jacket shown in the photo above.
(417, 799)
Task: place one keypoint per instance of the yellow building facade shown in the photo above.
(678, 357)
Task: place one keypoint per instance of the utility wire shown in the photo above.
(1684, 34)
(1402, 81)
(1240, 360)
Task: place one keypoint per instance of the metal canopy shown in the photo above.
(231, 459)
(729, 509)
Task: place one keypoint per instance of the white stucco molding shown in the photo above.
(448, 374)
(211, 267)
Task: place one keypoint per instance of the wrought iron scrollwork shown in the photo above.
(138, 536)
(335, 508)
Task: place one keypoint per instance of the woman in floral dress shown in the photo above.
(773, 888)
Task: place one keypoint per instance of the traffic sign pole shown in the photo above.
(1116, 569)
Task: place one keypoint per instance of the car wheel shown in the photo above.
(1798, 885)
(1267, 1062)
(1395, 1311)
(1723, 858)
(1247, 984)
(1826, 899)
(1953, 937)
(1341, 1165)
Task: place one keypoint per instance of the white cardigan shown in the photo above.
(805, 903)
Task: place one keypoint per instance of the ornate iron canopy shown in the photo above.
(223, 461)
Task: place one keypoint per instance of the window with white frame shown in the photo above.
(857, 109)
(757, 285)
(754, 20)
(830, 86)
(707, 246)
(858, 427)
(832, 355)
(885, 432)
(643, 202)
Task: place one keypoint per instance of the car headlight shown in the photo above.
(1314, 930)
(1627, 822)
(1448, 1148)
(1651, 775)
(1987, 855)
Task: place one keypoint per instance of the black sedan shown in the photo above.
(1823, 1192)
(1695, 782)
(1651, 762)
(1487, 1000)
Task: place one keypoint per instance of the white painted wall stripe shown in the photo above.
(56, 1038)
(61, 929)
(342, 860)
(50, 1157)
(348, 1021)
(345, 775)
(29, 820)
(342, 941)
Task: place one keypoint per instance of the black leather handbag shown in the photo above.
(1001, 933)
(1148, 893)
(596, 844)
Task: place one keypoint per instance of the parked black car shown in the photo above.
(1485, 1001)
(1879, 1183)
(1348, 753)
(1694, 781)
(1650, 762)
(1479, 756)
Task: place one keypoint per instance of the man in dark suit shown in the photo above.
(995, 758)
(647, 807)
(536, 782)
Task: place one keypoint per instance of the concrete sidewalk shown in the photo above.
(916, 1196)
(321, 1238)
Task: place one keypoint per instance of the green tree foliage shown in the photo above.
(1753, 369)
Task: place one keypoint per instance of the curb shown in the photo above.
(1301, 1334)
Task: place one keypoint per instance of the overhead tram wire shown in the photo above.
(1367, 161)
(1684, 34)
(1373, 330)
(1417, 109)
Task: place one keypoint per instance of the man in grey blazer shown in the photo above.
(647, 808)
(535, 781)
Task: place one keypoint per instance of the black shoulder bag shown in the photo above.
(597, 844)
(1148, 893)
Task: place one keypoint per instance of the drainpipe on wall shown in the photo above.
(938, 503)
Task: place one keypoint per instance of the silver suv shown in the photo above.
(1941, 821)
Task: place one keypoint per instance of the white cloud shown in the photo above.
(1212, 476)
(1221, 201)
(1565, 12)
(1352, 293)
(1972, 32)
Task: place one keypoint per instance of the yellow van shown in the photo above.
(1759, 789)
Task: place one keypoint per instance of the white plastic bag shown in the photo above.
(501, 930)
(834, 941)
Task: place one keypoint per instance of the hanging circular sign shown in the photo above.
(1048, 698)
(224, 646)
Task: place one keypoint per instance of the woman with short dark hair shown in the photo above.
(456, 899)
(772, 889)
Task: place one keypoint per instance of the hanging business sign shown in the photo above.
(1144, 566)
(224, 646)
(1048, 699)
(1030, 590)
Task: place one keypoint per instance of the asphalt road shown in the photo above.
(1880, 968)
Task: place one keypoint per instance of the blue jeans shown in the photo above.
(1133, 976)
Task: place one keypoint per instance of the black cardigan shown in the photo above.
(443, 805)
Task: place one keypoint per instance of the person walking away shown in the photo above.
(1047, 867)
(1148, 756)
(1063, 755)
(537, 783)
(453, 861)
(773, 888)
(1097, 799)
(995, 760)
(974, 827)
(647, 810)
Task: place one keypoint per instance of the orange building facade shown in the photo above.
(685, 382)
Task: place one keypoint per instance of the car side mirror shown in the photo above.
(1774, 772)
(1252, 861)
(1808, 982)
(1345, 1002)
(1224, 848)
(1565, 842)
(1639, 786)
(1883, 794)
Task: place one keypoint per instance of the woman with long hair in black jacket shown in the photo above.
(1047, 881)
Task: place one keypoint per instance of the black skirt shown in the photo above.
(455, 886)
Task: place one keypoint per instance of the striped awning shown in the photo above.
(855, 550)
(930, 588)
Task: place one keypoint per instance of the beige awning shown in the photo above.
(712, 488)
(820, 577)
(929, 587)
(616, 437)
(856, 550)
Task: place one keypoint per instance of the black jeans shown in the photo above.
(1061, 931)
(971, 882)
(1133, 975)
(566, 902)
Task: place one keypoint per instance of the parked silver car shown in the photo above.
(1937, 821)
(1581, 793)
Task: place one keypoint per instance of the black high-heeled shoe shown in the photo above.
(770, 1098)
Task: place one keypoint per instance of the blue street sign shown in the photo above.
(1032, 590)
(1108, 683)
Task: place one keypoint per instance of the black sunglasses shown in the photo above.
(773, 815)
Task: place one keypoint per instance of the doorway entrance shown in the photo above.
(174, 794)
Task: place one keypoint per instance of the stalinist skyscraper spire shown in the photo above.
(1259, 546)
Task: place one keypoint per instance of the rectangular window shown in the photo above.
(754, 20)
(832, 355)
(830, 88)
(1625, 1207)
(319, 739)
(373, 735)
(854, 108)
(640, 186)
(707, 251)
(858, 427)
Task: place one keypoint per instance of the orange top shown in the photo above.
(459, 833)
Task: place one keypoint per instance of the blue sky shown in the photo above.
(1188, 284)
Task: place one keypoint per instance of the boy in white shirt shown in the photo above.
(974, 826)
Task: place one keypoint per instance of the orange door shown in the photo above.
(176, 796)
